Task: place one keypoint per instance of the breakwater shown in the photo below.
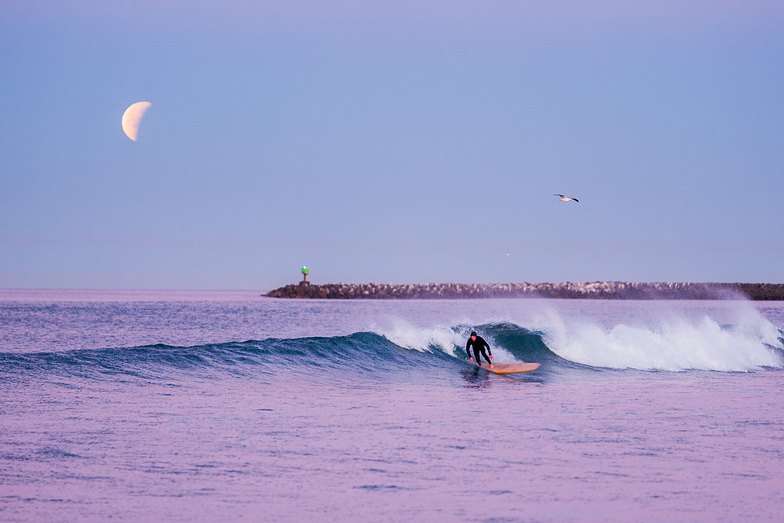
(596, 290)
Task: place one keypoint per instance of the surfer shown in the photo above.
(479, 344)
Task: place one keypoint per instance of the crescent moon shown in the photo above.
(132, 117)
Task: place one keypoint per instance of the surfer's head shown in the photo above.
(473, 335)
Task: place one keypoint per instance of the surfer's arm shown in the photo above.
(488, 349)
(468, 344)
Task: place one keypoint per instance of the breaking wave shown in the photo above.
(678, 345)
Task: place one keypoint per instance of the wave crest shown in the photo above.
(673, 346)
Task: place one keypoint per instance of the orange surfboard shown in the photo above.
(510, 368)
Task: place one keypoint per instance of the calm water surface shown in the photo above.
(145, 406)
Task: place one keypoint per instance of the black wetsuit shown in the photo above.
(479, 349)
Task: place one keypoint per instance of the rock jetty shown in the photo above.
(611, 290)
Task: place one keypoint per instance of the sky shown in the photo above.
(390, 142)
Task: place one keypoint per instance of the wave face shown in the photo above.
(363, 352)
(404, 349)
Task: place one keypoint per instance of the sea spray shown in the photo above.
(441, 338)
(671, 343)
(664, 338)
(450, 340)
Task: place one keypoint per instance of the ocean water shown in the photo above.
(219, 406)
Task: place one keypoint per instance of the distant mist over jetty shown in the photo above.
(608, 290)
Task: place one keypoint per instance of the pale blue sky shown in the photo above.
(390, 142)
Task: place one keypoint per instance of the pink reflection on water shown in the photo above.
(659, 446)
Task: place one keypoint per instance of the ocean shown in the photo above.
(222, 406)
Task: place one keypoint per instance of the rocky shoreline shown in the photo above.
(596, 290)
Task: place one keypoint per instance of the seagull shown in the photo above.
(567, 198)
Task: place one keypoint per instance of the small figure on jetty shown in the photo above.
(566, 198)
(305, 272)
(479, 344)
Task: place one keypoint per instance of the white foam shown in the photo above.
(421, 339)
(451, 340)
(644, 336)
(674, 345)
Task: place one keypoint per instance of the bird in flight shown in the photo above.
(567, 198)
